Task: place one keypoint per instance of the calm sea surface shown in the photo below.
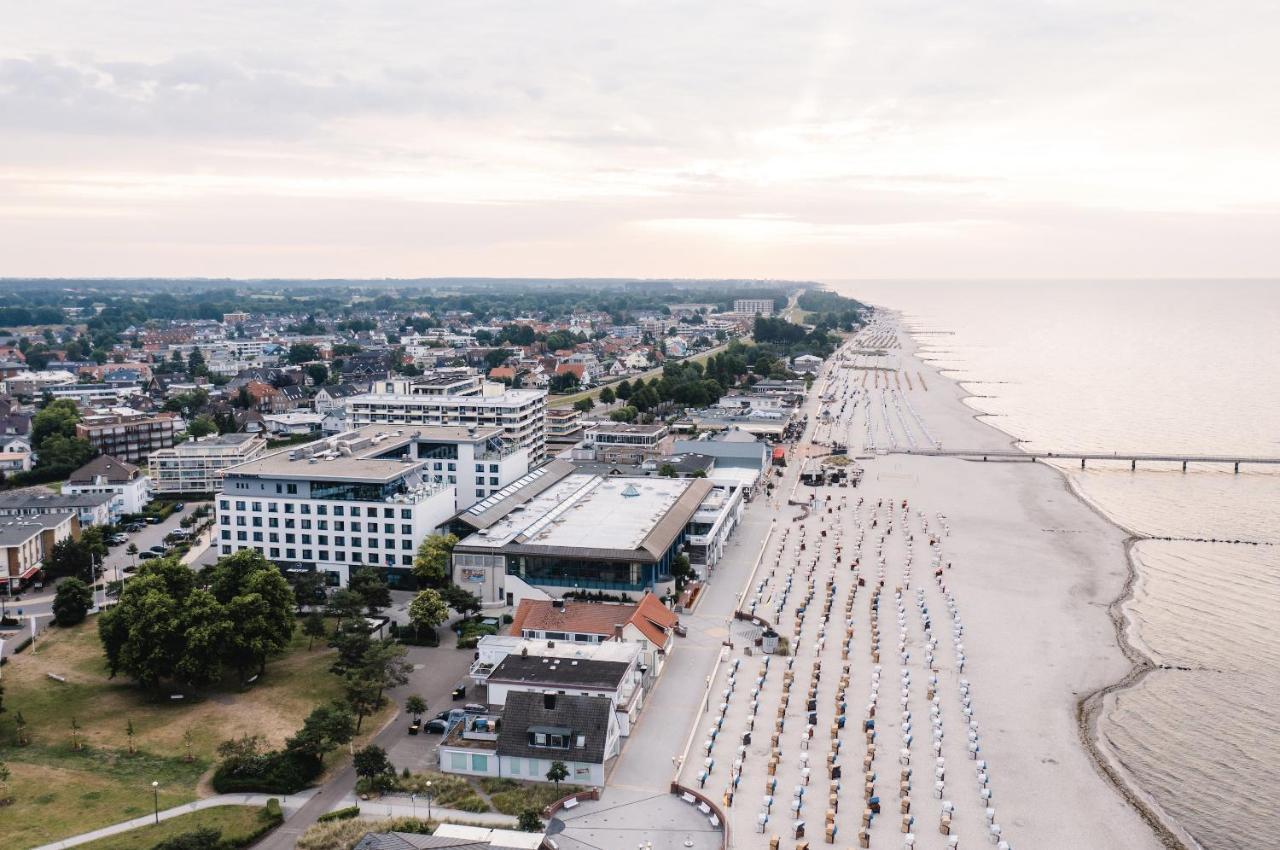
(1154, 366)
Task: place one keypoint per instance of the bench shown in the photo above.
(688, 798)
(56, 677)
(570, 803)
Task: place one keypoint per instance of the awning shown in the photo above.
(30, 571)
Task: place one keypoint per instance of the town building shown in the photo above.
(196, 466)
(453, 399)
(26, 540)
(89, 509)
(128, 434)
(128, 486)
(620, 442)
(366, 497)
(564, 426)
(753, 306)
(647, 623)
(582, 531)
(536, 729)
(35, 383)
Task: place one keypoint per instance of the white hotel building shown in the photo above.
(366, 497)
(458, 399)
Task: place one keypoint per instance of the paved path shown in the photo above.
(437, 671)
(290, 804)
(400, 806)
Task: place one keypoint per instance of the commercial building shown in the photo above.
(459, 400)
(127, 434)
(619, 442)
(89, 509)
(26, 540)
(564, 529)
(366, 497)
(564, 426)
(196, 466)
(35, 383)
(126, 484)
(753, 306)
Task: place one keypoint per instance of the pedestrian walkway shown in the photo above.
(401, 806)
(289, 804)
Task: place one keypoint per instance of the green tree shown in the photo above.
(202, 426)
(345, 604)
(59, 455)
(384, 662)
(326, 727)
(303, 352)
(529, 821)
(497, 357)
(313, 627)
(202, 838)
(195, 362)
(58, 418)
(363, 693)
(557, 773)
(72, 602)
(373, 591)
(667, 471)
(624, 389)
(371, 763)
(352, 644)
(624, 414)
(431, 564)
(318, 373)
(427, 611)
(681, 571)
(206, 630)
(308, 588)
(584, 405)
(416, 706)
(460, 599)
(607, 395)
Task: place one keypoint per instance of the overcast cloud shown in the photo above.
(843, 139)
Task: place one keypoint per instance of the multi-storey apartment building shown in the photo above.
(753, 306)
(127, 434)
(196, 466)
(465, 400)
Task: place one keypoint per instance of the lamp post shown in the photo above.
(155, 791)
(428, 799)
(413, 801)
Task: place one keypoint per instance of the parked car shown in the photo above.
(435, 727)
(414, 727)
(154, 520)
(178, 506)
(134, 527)
(118, 539)
(147, 555)
(158, 550)
(452, 716)
(475, 708)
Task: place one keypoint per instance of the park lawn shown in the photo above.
(512, 797)
(238, 824)
(99, 784)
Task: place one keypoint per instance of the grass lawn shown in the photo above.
(60, 791)
(511, 797)
(238, 825)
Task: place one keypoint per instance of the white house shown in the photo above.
(129, 487)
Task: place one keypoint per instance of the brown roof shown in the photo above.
(650, 616)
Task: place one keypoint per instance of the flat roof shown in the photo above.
(549, 670)
(16, 530)
(595, 516)
(44, 499)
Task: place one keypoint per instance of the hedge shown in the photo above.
(340, 814)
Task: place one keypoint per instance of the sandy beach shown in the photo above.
(1030, 571)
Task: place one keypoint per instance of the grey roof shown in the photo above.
(40, 499)
(15, 530)
(340, 390)
(587, 716)
(497, 505)
(687, 463)
(113, 470)
(543, 670)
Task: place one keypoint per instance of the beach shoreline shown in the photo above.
(1090, 707)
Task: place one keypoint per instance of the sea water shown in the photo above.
(1153, 366)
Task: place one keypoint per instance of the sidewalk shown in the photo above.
(400, 806)
(288, 803)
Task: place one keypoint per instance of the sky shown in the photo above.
(654, 138)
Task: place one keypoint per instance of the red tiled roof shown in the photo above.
(650, 616)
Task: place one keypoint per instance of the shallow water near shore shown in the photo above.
(1152, 366)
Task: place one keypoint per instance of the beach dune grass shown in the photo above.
(61, 791)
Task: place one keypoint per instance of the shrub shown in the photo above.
(273, 809)
(274, 772)
(339, 814)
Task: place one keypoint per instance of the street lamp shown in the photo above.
(413, 801)
(428, 799)
(155, 790)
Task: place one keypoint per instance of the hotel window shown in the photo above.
(290, 538)
(257, 506)
(257, 537)
(388, 528)
(355, 526)
(407, 560)
(322, 539)
(406, 513)
(337, 510)
(322, 524)
(406, 544)
(242, 535)
(257, 522)
(273, 508)
(355, 510)
(273, 537)
(288, 507)
(389, 544)
(322, 555)
(225, 519)
(322, 510)
(239, 506)
(479, 480)
(479, 467)
(290, 553)
(291, 489)
(355, 556)
(240, 520)
(306, 508)
(339, 525)
(288, 523)
(224, 504)
(406, 529)
(226, 535)
(273, 522)
(306, 538)
(339, 541)
(279, 489)
(493, 481)
(493, 467)
(306, 554)
(373, 557)
(457, 761)
(306, 523)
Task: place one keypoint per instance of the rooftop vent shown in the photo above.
(630, 491)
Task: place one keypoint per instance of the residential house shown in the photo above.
(25, 541)
(128, 486)
(647, 622)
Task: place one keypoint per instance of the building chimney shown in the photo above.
(617, 631)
